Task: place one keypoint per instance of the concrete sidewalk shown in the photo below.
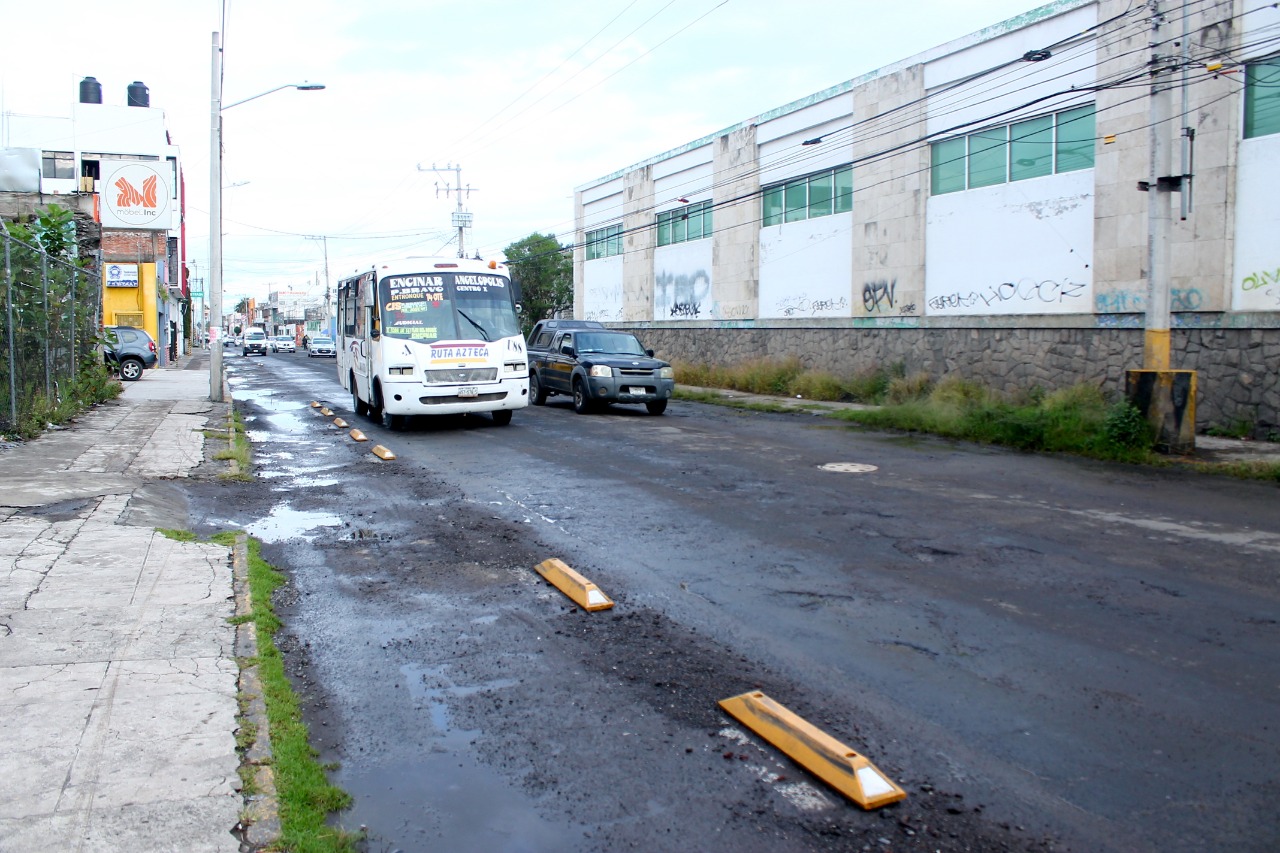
(117, 666)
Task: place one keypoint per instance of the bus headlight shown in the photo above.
(400, 371)
(602, 371)
(515, 367)
(667, 373)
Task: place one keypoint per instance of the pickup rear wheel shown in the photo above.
(131, 369)
(537, 394)
(582, 402)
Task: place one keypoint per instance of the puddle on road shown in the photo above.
(446, 800)
(285, 523)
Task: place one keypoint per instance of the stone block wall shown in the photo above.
(1238, 369)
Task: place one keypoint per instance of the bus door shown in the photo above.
(359, 346)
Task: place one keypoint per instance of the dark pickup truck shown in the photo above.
(595, 365)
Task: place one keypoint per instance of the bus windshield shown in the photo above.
(447, 306)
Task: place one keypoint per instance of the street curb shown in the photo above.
(260, 819)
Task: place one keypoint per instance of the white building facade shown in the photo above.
(974, 210)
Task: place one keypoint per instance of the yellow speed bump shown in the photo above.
(326, 413)
(339, 422)
(315, 404)
(813, 749)
(382, 452)
(583, 592)
(357, 435)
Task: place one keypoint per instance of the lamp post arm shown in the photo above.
(306, 87)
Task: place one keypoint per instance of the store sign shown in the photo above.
(136, 194)
(121, 275)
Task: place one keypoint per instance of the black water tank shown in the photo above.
(138, 96)
(90, 91)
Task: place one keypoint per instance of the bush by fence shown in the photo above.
(50, 366)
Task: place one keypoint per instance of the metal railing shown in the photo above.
(49, 327)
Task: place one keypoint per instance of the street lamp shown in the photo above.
(215, 212)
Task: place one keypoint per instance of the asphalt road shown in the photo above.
(1046, 653)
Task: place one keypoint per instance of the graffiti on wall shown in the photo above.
(604, 303)
(682, 295)
(1266, 283)
(1047, 292)
(881, 297)
(1122, 301)
(802, 305)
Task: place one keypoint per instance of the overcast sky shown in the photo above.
(531, 99)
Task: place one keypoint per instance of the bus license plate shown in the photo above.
(468, 391)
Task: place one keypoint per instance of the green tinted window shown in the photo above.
(1031, 149)
(1075, 139)
(797, 198)
(772, 201)
(820, 195)
(1262, 98)
(988, 157)
(664, 229)
(844, 189)
(948, 166)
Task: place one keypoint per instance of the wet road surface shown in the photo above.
(1046, 653)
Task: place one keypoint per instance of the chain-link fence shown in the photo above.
(49, 321)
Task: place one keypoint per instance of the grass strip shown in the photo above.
(306, 798)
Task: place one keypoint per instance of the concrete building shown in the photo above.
(976, 210)
(122, 158)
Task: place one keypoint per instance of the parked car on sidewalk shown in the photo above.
(283, 343)
(322, 347)
(129, 351)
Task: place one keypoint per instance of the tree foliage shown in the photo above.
(544, 270)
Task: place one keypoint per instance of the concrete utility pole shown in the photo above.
(461, 218)
(1165, 396)
(215, 229)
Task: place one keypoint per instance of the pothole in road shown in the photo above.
(848, 467)
(285, 523)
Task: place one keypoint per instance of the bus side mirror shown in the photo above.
(375, 334)
(519, 308)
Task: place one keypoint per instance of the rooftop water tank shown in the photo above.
(90, 91)
(138, 96)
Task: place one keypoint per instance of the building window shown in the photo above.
(821, 194)
(1262, 98)
(1062, 142)
(58, 164)
(604, 242)
(691, 222)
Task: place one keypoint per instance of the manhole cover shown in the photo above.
(848, 467)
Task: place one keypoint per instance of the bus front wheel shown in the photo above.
(360, 407)
(501, 417)
(390, 421)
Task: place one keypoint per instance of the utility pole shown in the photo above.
(1165, 396)
(324, 241)
(461, 218)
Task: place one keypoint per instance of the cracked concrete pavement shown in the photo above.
(117, 663)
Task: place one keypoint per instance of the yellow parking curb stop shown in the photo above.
(339, 422)
(315, 404)
(583, 592)
(326, 413)
(358, 435)
(382, 452)
(813, 749)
